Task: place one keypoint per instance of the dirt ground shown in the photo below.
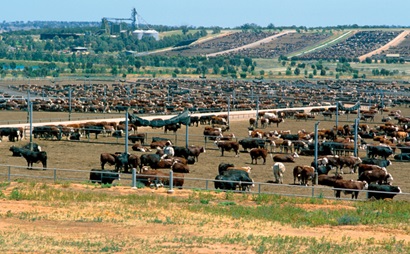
(83, 156)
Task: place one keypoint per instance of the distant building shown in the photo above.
(79, 49)
(139, 34)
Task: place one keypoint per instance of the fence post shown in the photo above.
(171, 182)
(9, 174)
(55, 175)
(206, 184)
(134, 180)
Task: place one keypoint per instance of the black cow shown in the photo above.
(402, 157)
(124, 161)
(379, 162)
(117, 133)
(137, 137)
(172, 127)
(380, 151)
(75, 136)
(151, 160)
(12, 133)
(249, 143)
(194, 120)
(34, 157)
(16, 151)
(103, 176)
(47, 132)
(96, 129)
(181, 151)
(222, 167)
(377, 191)
(328, 148)
(231, 179)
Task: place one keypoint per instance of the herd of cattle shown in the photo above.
(334, 148)
(337, 144)
(170, 96)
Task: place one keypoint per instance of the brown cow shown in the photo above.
(107, 158)
(303, 174)
(351, 161)
(349, 187)
(276, 120)
(285, 157)
(195, 151)
(328, 180)
(212, 133)
(179, 167)
(379, 176)
(158, 178)
(366, 167)
(228, 146)
(257, 153)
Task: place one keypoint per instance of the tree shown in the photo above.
(322, 72)
(185, 30)
(296, 71)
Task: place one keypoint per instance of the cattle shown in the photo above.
(265, 122)
(16, 151)
(402, 157)
(378, 162)
(377, 191)
(252, 122)
(276, 120)
(233, 179)
(216, 120)
(139, 148)
(47, 132)
(151, 160)
(157, 178)
(205, 119)
(349, 187)
(278, 169)
(118, 133)
(12, 133)
(257, 153)
(366, 167)
(181, 151)
(124, 161)
(249, 143)
(75, 136)
(195, 151)
(107, 158)
(212, 133)
(194, 120)
(326, 134)
(303, 174)
(379, 176)
(33, 157)
(228, 146)
(299, 116)
(137, 137)
(350, 161)
(222, 167)
(379, 151)
(179, 167)
(299, 145)
(172, 127)
(328, 180)
(96, 129)
(285, 157)
(159, 143)
(103, 176)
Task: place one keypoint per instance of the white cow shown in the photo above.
(278, 170)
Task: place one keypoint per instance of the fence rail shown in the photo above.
(9, 173)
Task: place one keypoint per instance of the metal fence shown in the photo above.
(9, 173)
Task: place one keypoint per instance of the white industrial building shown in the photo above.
(139, 34)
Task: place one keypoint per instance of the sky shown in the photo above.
(222, 13)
